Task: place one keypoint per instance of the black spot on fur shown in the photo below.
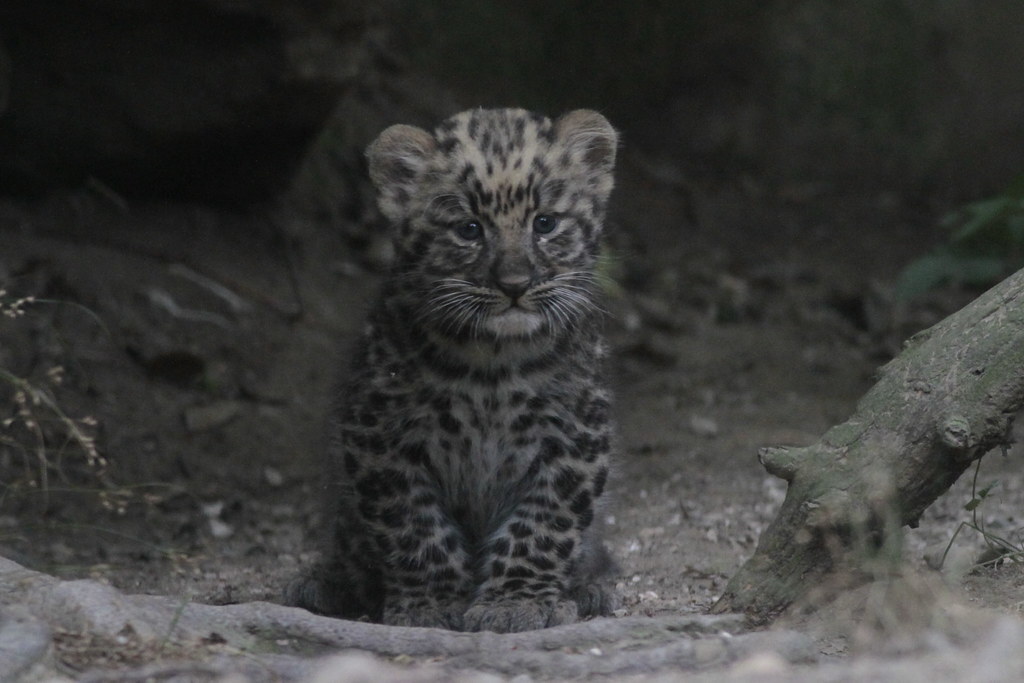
(537, 403)
(523, 422)
(424, 498)
(520, 572)
(446, 573)
(407, 543)
(448, 423)
(435, 555)
(541, 562)
(382, 483)
(415, 453)
(394, 516)
(581, 502)
(447, 145)
(565, 547)
(561, 523)
(376, 444)
(550, 449)
(368, 509)
(567, 481)
(519, 530)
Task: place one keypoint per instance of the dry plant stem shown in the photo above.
(945, 401)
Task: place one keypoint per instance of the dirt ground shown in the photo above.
(204, 344)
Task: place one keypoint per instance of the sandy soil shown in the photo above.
(204, 344)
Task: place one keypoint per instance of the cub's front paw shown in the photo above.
(595, 600)
(318, 595)
(431, 615)
(512, 616)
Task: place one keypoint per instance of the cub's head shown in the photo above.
(498, 216)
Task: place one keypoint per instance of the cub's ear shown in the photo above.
(589, 138)
(397, 159)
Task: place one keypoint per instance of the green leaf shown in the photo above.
(924, 274)
(986, 243)
(1016, 187)
(983, 216)
(979, 270)
(979, 497)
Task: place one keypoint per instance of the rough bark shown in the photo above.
(945, 401)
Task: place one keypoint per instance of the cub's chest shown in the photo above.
(484, 441)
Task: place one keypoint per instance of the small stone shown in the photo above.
(760, 664)
(709, 651)
(282, 511)
(219, 529)
(659, 314)
(656, 349)
(212, 416)
(62, 552)
(273, 476)
(348, 269)
(703, 426)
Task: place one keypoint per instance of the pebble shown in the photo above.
(760, 664)
(704, 427)
(212, 416)
(273, 476)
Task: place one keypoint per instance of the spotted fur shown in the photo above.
(469, 446)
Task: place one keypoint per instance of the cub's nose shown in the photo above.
(514, 286)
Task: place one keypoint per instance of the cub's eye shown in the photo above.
(543, 224)
(469, 231)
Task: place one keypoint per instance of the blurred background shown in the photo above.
(926, 94)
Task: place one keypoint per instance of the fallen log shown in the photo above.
(948, 399)
(104, 635)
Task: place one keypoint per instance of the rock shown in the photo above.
(212, 416)
(25, 651)
(703, 426)
(207, 99)
(273, 476)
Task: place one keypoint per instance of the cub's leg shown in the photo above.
(531, 562)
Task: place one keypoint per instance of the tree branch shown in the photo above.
(945, 401)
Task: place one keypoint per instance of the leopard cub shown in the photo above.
(469, 447)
